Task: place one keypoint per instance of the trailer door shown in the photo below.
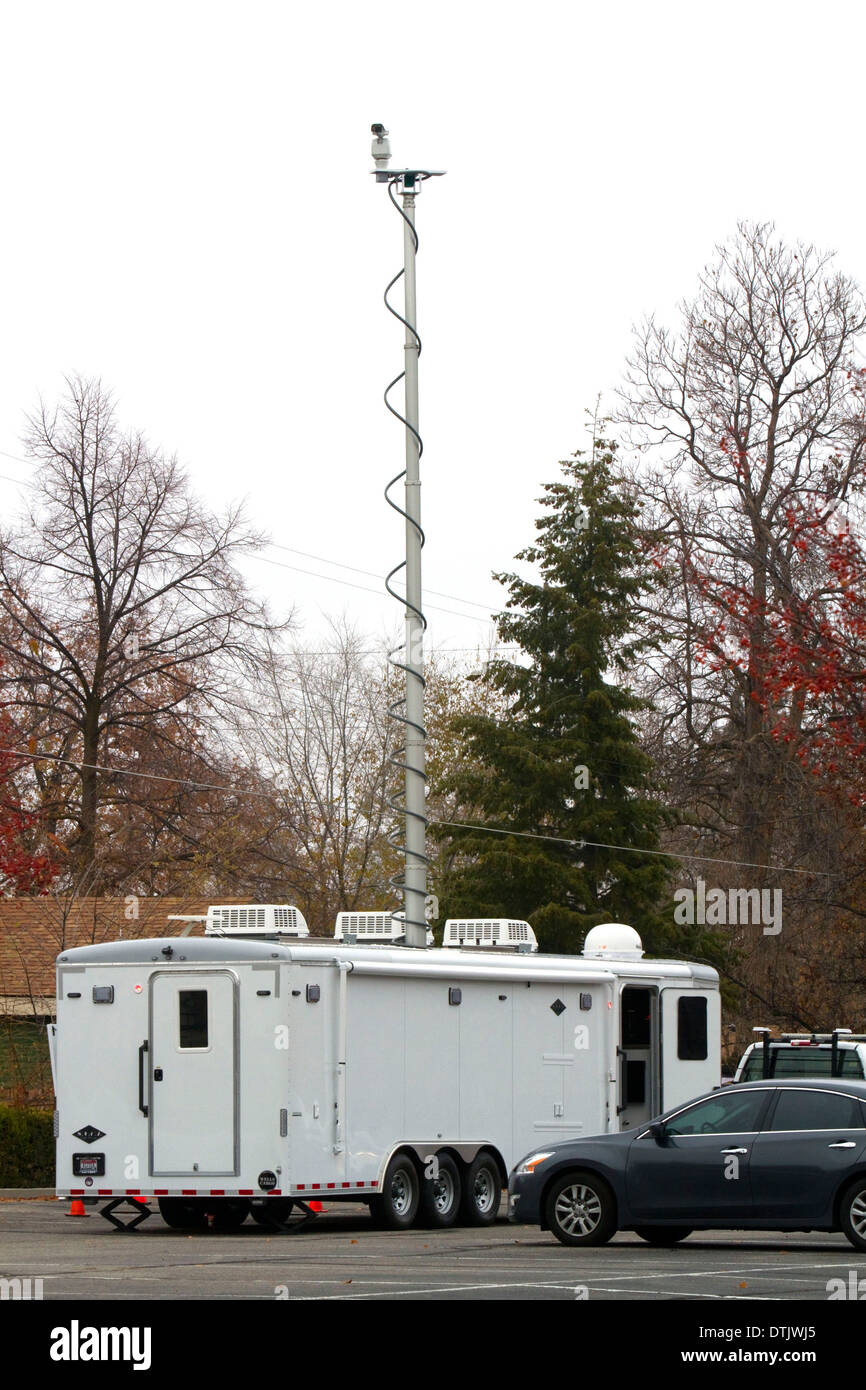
(638, 1055)
(690, 1042)
(192, 1068)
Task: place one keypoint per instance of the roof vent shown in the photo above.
(256, 920)
(372, 926)
(489, 931)
(612, 941)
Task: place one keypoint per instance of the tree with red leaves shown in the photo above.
(805, 653)
(751, 423)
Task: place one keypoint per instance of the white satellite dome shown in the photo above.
(614, 940)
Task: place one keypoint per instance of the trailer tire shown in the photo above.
(271, 1211)
(397, 1206)
(182, 1213)
(482, 1192)
(662, 1235)
(441, 1194)
(229, 1213)
(580, 1209)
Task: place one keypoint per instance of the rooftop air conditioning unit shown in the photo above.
(372, 926)
(489, 931)
(256, 920)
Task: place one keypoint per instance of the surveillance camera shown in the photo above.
(381, 147)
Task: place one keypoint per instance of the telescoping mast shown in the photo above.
(406, 184)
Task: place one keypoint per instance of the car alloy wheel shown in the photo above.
(578, 1210)
(854, 1214)
(581, 1210)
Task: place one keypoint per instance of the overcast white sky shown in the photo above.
(189, 214)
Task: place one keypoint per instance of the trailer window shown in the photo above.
(193, 1017)
(692, 1029)
(636, 1017)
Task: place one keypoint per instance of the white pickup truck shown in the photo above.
(796, 1055)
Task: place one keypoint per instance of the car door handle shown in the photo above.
(843, 1144)
(733, 1151)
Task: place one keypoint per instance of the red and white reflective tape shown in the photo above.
(333, 1186)
(218, 1191)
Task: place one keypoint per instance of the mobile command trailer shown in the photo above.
(227, 1073)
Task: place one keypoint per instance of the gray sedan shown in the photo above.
(783, 1156)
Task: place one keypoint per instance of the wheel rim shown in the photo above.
(443, 1192)
(401, 1192)
(483, 1190)
(577, 1210)
(858, 1215)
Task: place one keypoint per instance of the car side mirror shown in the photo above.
(658, 1132)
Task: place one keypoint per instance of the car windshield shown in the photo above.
(800, 1061)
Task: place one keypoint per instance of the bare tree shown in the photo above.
(123, 619)
(748, 420)
(320, 735)
(752, 411)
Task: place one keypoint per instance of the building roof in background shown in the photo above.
(33, 932)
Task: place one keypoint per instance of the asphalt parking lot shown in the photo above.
(340, 1256)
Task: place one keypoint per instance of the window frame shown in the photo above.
(693, 1000)
(179, 1045)
(722, 1093)
(856, 1100)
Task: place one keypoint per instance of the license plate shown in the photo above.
(88, 1165)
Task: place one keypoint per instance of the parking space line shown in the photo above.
(452, 1288)
(734, 1271)
(669, 1293)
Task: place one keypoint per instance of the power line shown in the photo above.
(632, 849)
(371, 574)
(332, 578)
(462, 825)
(350, 584)
(383, 651)
(128, 772)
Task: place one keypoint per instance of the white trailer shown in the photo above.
(251, 1068)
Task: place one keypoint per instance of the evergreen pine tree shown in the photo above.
(564, 760)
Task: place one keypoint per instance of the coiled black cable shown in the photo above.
(398, 711)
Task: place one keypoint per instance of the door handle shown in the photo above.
(733, 1151)
(843, 1144)
(141, 1053)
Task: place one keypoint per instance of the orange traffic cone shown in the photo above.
(77, 1208)
(315, 1206)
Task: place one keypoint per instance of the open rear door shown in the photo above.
(690, 1032)
(638, 1052)
(190, 1070)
